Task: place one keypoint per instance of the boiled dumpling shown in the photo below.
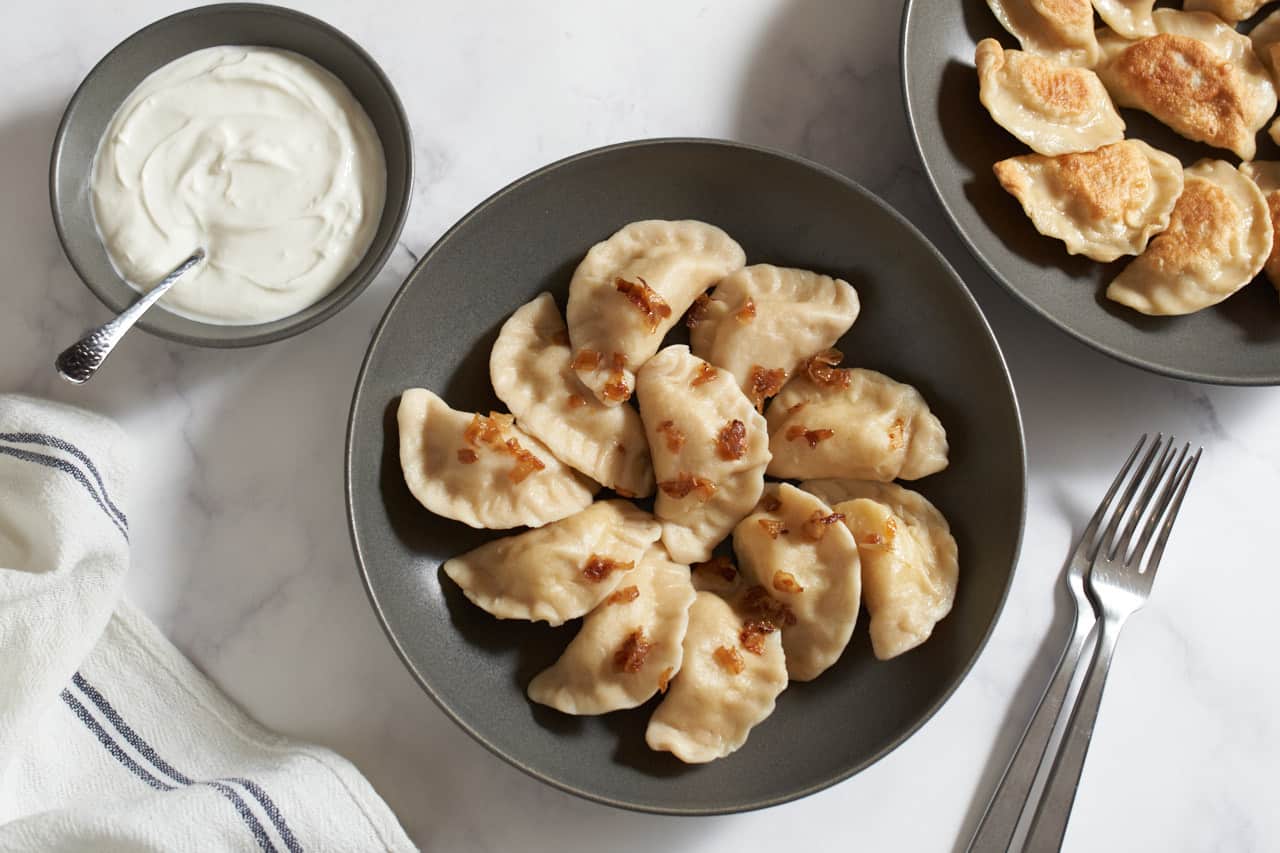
(530, 370)
(1130, 18)
(833, 422)
(1061, 30)
(558, 572)
(1198, 75)
(1054, 109)
(1232, 11)
(762, 321)
(723, 689)
(1103, 203)
(796, 549)
(1266, 174)
(629, 646)
(1218, 239)
(909, 559)
(482, 471)
(632, 288)
(710, 448)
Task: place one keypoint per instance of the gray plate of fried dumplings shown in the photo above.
(1184, 257)
(710, 623)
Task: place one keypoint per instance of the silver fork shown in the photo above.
(1000, 822)
(1119, 582)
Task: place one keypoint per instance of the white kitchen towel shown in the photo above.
(110, 740)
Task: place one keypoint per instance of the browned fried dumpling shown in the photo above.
(1054, 109)
(1102, 204)
(1231, 11)
(1130, 18)
(1218, 239)
(1061, 30)
(1197, 75)
(1266, 174)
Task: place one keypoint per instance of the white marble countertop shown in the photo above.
(241, 549)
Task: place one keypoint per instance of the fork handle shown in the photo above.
(1050, 823)
(995, 832)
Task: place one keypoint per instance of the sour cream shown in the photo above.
(258, 155)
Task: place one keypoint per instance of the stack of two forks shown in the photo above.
(1109, 576)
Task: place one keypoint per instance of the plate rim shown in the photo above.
(993, 272)
(647, 808)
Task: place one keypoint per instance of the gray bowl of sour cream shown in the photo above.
(263, 135)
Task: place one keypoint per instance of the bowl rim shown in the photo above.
(349, 452)
(349, 291)
(995, 273)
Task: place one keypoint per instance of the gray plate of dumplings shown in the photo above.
(918, 323)
(1234, 342)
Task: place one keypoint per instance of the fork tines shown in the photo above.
(1158, 481)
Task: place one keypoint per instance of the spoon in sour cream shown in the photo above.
(81, 360)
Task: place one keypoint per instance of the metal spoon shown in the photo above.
(81, 360)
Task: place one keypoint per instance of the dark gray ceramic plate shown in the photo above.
(918, 323)
(120, 71)
(1237, 342)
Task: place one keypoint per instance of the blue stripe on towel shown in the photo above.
(109, 743)
(67, 447)
(113, 748)
(259, 834)
(146, 751)
(269, 806)
(62, 465)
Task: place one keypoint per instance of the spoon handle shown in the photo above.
(78, 362)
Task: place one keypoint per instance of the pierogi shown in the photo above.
(557, 572)
(1219, 237)
(852, 422)
(1061, 30)
(1231, 11)
(1130, 18)
(1102, 204)
(709, 446)
(797, 550)
(631, 289)
(722, 690)
(762, 321)
(629, 646)
(910, 564)
(1266, 43)
(1053, 109)
(1197, 75)
(1266, 174)
(483, 470)
(664, 608)
(529, 368)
